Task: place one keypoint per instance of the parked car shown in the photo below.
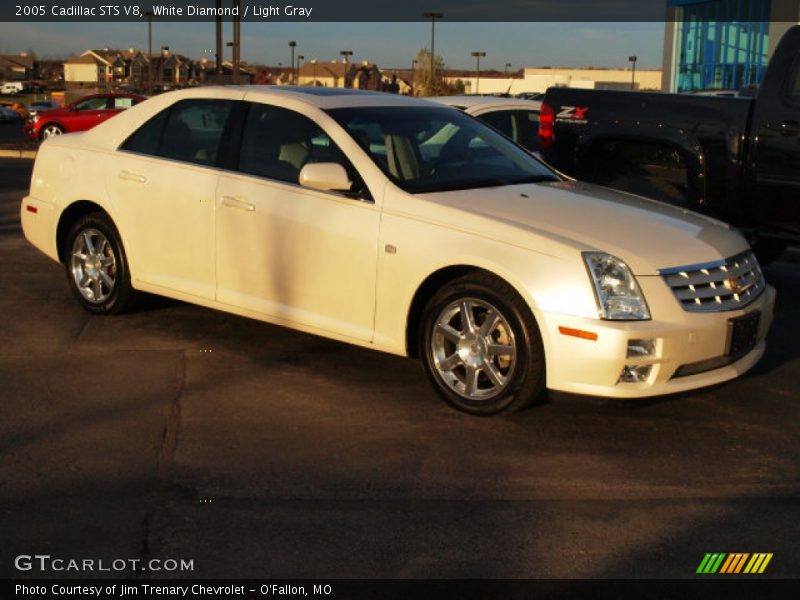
(734, 158)
(34, 108)
(7, 114)
(517, 119)
(80, 115)
(346, 214)
(12, 88)
(16, 107)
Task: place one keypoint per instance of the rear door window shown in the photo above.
(189, 131)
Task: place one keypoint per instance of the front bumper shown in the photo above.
(681, 339)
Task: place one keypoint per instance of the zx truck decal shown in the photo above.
(572, 114)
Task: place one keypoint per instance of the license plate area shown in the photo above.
(742, 334)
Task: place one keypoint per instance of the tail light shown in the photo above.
(547, 118)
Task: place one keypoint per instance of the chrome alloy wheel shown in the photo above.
(473, 348)
(93, 266)
(51, 130)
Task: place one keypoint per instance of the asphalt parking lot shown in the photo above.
(180, 432)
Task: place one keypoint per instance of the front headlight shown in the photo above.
(615, 287)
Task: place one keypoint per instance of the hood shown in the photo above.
(648, 235)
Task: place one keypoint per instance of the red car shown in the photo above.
(81, 115)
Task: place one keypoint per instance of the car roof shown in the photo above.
(470, 102)
(320, 97)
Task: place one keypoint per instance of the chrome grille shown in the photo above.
(722, 285)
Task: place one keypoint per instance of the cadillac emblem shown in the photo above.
(735, 284)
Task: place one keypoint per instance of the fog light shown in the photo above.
(634, 373)
(641, 348)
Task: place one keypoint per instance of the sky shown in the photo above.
(386, 44)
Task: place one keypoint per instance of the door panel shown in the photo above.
(163, 185)
(297, 254)
(165, 211)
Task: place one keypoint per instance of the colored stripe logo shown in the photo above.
(734, 563)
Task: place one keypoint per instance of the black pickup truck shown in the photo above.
(737, 159)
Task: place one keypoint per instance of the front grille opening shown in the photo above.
(729, 284)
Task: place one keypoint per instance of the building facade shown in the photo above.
(722, 44)
(538, 79)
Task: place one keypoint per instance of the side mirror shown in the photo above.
(328, 177)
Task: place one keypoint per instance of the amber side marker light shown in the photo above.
(32, 209)
(578, 333)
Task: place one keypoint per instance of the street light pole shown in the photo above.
(506, 68)
(632, 59)
(432, 16)
(292, 45)
(297, 71)
(477, 56)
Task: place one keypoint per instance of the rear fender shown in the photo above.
(675, 139)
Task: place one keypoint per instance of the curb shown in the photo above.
(17, 153)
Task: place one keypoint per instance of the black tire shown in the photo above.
(97, 262)
(522, 372)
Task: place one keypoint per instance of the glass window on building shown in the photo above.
(722, 44)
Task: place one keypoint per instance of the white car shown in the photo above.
(516, 118)
(341, 213)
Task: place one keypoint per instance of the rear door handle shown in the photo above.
(130, 176)
(232, 202)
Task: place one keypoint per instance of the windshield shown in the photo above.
(431, 149)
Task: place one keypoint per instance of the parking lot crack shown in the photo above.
(169, 436)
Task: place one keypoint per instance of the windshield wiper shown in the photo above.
(534, 179)
(465, 185)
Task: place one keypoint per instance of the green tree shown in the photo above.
(427, 83)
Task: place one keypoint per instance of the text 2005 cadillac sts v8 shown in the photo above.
(401, 225)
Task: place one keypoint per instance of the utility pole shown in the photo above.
(632, 59)
(237, 42)
(218, 27)
(149, 16)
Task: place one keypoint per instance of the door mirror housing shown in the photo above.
(328, 177)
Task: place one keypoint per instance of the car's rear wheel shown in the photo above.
(50, 130)
(97, 269)
(481, 347)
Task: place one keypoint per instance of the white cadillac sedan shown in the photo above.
(400, 225)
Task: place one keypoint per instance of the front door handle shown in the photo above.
(130, 176)
(232, 202)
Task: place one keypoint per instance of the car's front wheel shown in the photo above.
(97, 269)
(481, 347)
(50, 130)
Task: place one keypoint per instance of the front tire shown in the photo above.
(481, 347)
(50, 130)
(97, 269)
